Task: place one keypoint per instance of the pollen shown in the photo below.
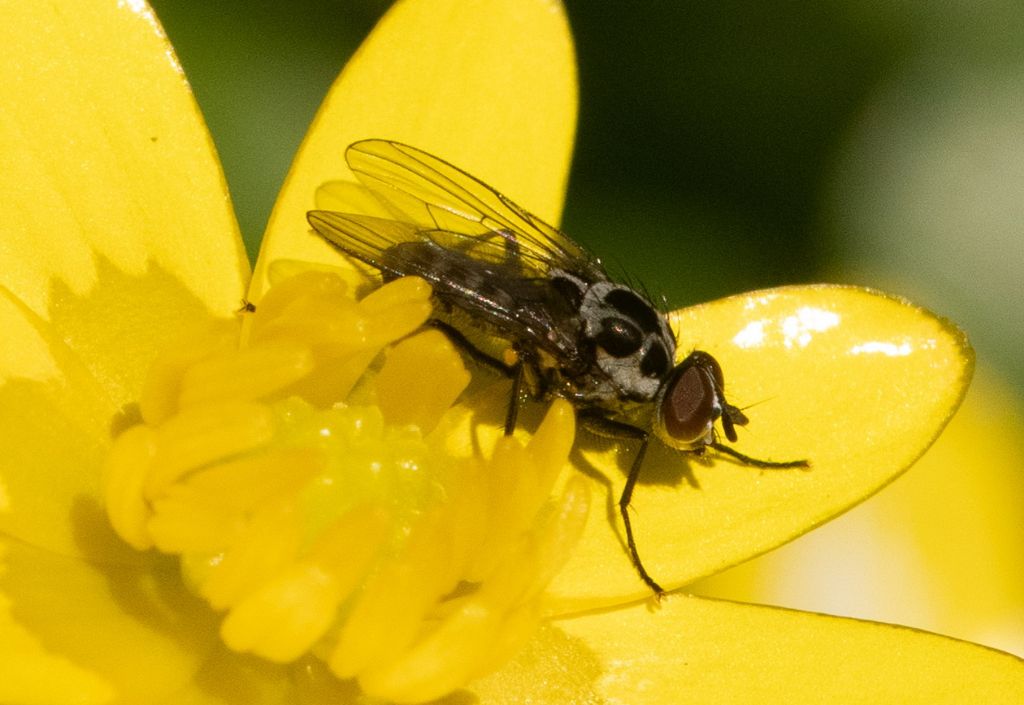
(316, 466)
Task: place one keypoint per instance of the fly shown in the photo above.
(576, 333)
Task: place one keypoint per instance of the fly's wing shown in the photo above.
(419, 188)
(364, 237)
(472, 273)
(372, 240)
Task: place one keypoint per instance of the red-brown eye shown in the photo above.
(689, 405)
(709, 364)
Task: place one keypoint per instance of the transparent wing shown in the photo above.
(473, 273)
(364, 237)
(419, 188)
(369, 238)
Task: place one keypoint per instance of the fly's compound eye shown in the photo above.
(690, 405)
(618, 337)
(705, 362)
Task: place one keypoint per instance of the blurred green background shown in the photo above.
(746, 144)
(749, 144)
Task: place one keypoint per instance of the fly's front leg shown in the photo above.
(614, 429)
(624, 500)
(756, 462)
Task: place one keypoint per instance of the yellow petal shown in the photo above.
(135, 628)
(939, 549)
(488, 85)
(693, 650)
(116, 222)
(54, 419)
(858, 383)
(32, 675)
(122, 635)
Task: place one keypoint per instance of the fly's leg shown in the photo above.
(603, 426)
(755, 462)
(624, 500)
(514, 371)
(517, 370)
(513, 401)
(511, 245)
(479, 356)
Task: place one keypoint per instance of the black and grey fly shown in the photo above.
(575, 333)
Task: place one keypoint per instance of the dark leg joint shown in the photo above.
(516, 371)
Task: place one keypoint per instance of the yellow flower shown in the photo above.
(307, 498)
(118, 240)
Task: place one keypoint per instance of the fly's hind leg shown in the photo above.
(514, 398)
(515, 371)
(467, 346)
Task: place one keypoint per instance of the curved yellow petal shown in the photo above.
(116, 223)
(54, 421)
(857, 382)
(126, 634)
(488, 85)
(693, 650)
(134, 628)
(32, 675)
(939, 549)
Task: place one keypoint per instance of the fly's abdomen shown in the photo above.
(458, 279)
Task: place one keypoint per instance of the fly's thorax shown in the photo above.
(632, 343)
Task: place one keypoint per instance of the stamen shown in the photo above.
(330, 504)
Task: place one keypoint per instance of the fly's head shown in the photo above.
(691, 401)
(632, 342)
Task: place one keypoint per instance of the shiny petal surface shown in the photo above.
(856, 382)
(939, 549)
(692, 650)
(116, 221)
(489, 85)
(116, 231)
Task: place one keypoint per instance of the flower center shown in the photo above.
(310, 466)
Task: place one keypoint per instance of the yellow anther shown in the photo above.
(360, 527)
(125, 473)
(422, 376)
